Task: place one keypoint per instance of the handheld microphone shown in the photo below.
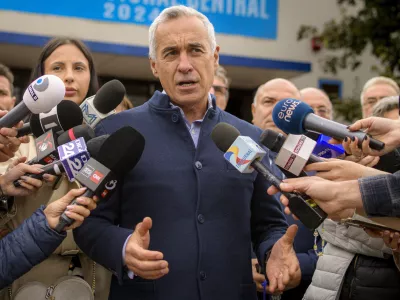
(101, 175)
(46, 148)
(73, 155)
(227, 138)
(274, 141)
(72, 134)
(296, 117)
(64, 116)
(326, 150)
(41, 96)
(103, 104)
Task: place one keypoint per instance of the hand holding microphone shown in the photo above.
(78, 213)
(386, 130)
(26, 186)
(340, 203)
(296, 117)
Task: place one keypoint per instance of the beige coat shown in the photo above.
(57, 264)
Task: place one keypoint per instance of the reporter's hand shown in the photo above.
(382, 129)
(391, 239)
(28, 185)
(257, 277)
(341, 170)
(54, 210)
(337, 199)
(9, 143)
(139, 259)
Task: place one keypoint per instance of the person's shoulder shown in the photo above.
(131, 117)
(243, 126)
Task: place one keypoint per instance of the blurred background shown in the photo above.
(334, 45)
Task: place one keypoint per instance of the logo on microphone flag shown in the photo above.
(233, 156)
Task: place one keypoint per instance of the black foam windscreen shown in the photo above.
(122, 150)
(272, 140)
(36, 128)
(109, 96)
(76, 132)
(94, 145)
(224, 135)
(69, 114)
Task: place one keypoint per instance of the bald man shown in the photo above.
(266, 97)
(319, 102)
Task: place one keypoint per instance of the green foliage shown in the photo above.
(376, 24)
(349, 110)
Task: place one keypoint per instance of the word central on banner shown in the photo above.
(252, 18)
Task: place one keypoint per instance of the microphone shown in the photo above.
(84, 131)
(41, 96)
(24, 130)
(101, 175)
(296, 117)
(243, 153)
(64, 116)
(72, 134)
(103, 104)
(46, 148)
(326, 150)
(274, 141)
(73, 155)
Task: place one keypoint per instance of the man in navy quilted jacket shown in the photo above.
(181, 223)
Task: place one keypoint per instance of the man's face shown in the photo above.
(318, 101)
(373, 95)
(221, 93)
(185, 63)
(6, 100)
(266, 99)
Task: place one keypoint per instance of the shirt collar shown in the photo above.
(210, 105)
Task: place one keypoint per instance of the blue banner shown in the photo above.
(252, 18)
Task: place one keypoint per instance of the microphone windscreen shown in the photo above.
(109, 96)
(289, 114)
(224, 135)
(272, 140)
(94, 145)
(35, 125)
(122, 150)
(69, 114)
(76, 132)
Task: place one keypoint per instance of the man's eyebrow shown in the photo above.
(167, 49)
(196, 44)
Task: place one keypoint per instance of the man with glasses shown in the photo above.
(220, 87)
(375, 90)
(319, 102)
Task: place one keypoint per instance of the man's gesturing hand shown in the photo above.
(283, 269)
(139, 259)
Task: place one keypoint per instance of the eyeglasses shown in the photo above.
(323, 111)
(220, 89)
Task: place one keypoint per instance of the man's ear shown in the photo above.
(153, 67)
(13, 100)
(216, 57)
(253, 111)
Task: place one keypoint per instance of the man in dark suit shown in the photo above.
(201, 213)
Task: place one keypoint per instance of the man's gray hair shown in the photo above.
(379, 80)
(385, 105)
(175, 12)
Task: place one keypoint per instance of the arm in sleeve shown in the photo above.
(381, 195)
(100, 237)
(308, 262)
(27, 246)
(268, 223)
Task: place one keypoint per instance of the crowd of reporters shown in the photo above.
(334, 261)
